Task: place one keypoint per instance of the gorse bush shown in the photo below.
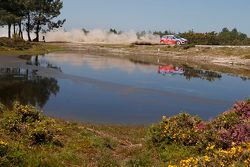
(224, 140)
(27, 121)
(180, 129)
(3, 148)
(27, 113)
(20, 116)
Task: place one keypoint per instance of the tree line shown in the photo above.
(224, 37)
(30, 16)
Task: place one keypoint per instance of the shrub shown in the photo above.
(233, 126)
(41, 135)
(28, 122)
(181, 129)
(20, 116)
(15, 43)
(234, 156)
(44, 133)
(223, 141)
(27, 113)
(3, 148)
(10, 155)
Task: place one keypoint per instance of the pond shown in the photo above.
(100, 89)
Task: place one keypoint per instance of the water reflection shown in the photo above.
(102, 63)
(170, 69)
(25, 86)
(41, 62)
(115, 90)
(188, 72)
(191, 73)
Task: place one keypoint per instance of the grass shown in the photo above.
(72, 144)
(17, 47)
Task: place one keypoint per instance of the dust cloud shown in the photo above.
(99, 36)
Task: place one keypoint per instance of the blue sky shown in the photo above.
(175, 15)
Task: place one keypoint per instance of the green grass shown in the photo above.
(73, 144)
(19, 47)
(36, 49)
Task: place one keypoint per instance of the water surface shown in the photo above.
(113, 90)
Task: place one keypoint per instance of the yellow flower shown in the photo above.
(210, 147)
(247, 162)
(206, 158)
(3, 143)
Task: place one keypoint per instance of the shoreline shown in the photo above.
(232, 61)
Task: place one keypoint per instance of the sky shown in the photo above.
(174, 15)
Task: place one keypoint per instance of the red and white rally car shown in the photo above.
(173, 40)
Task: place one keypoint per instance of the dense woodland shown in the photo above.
(30, 16)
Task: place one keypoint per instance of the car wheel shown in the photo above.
(178, 43)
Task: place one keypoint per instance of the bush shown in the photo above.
(10, 155)
(44, 133)
(233, 126)
(17, 119)
(223, 141)
(3, 148)
(15, 43)
(26, 112)
(28, 122)
(181, 129)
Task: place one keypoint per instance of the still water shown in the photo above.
(99, 89)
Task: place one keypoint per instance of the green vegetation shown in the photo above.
(34, 15)
(225, 37)
(17, 46)
(184, 140)
(27, 138)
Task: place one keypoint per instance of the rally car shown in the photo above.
(173, 40)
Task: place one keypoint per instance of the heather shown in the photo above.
(222, 141)
(28, 138)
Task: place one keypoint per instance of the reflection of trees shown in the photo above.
(139, 62)
(25, 86)
(40, 61)
(190, 73)
(244, 78)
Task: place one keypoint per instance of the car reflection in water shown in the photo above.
(170, 69)
(189, 72)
